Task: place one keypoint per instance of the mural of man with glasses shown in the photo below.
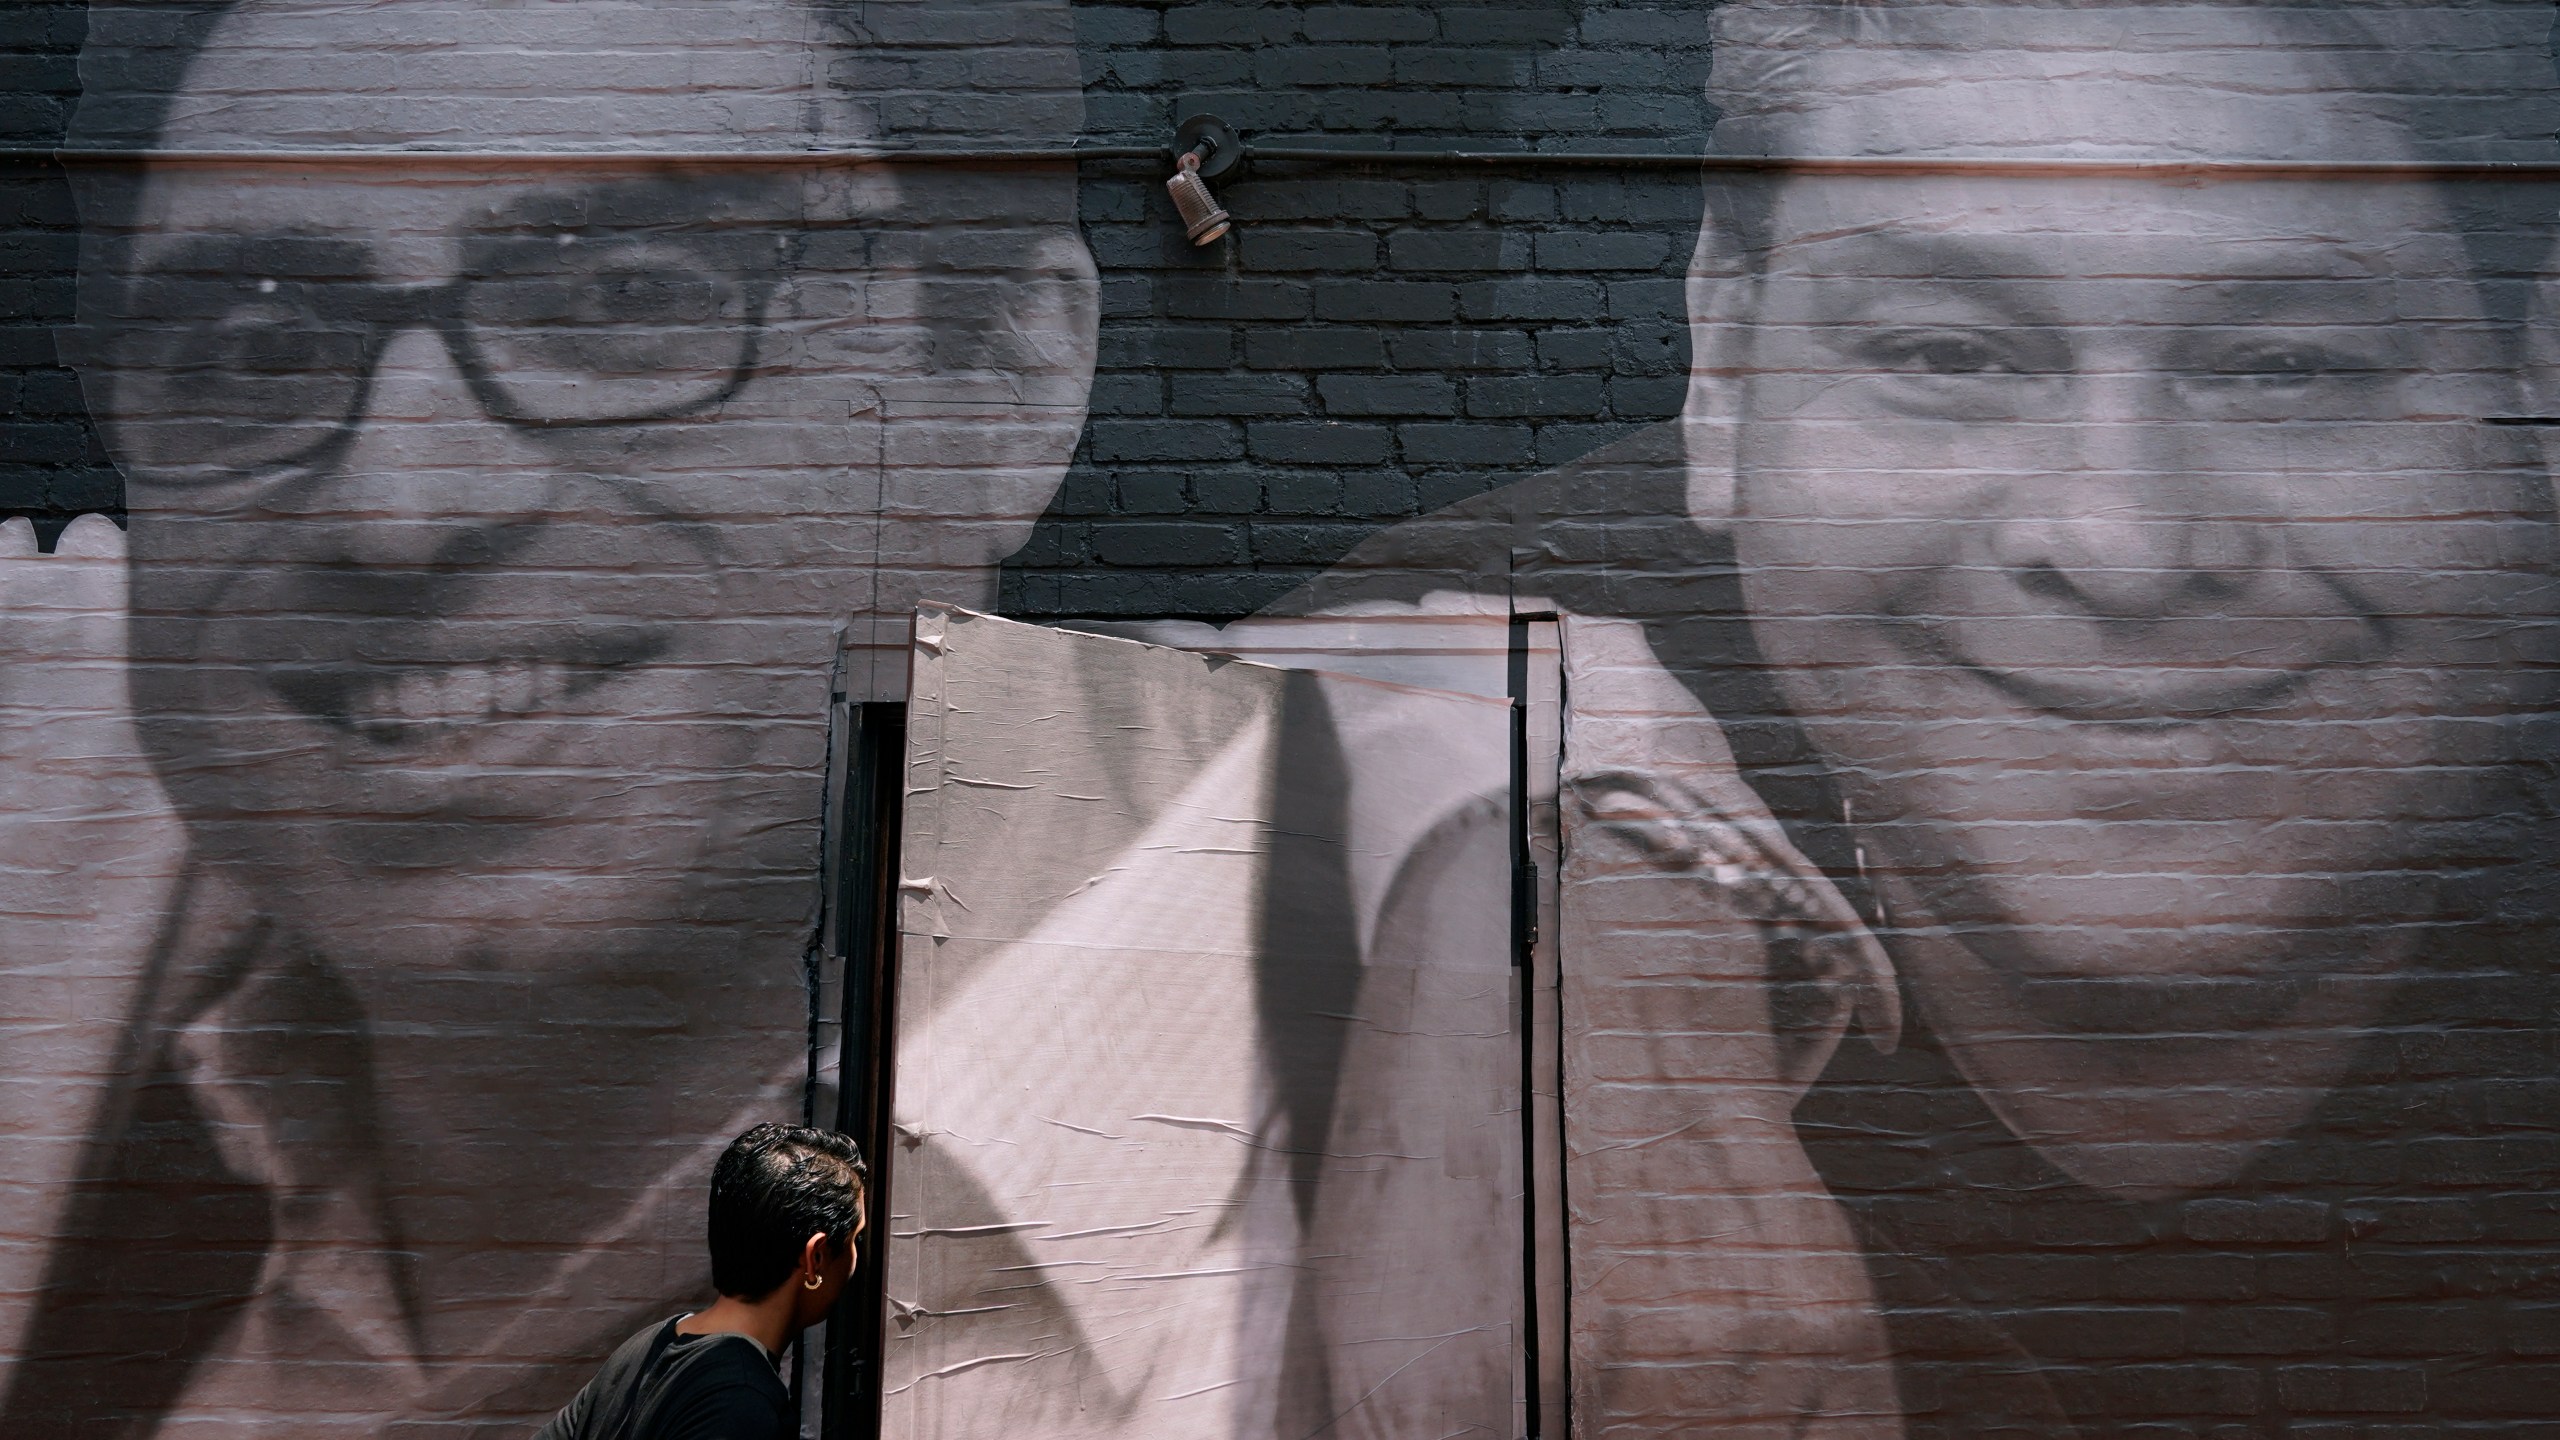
(497, 527)
(2091, 632)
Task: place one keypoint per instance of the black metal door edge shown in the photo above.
(861, 933)
(1537, 689)
(1524, 944)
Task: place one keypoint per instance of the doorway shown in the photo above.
(1191, 988)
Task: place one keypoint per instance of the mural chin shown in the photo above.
(2148, 991)
(2148, 1060)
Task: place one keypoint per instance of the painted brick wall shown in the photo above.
(51, 466)
(1369, 345)
(2196, 851)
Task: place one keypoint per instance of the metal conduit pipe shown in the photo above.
(427, 158)
(1296, 155)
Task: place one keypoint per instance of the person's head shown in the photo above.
(786, 1208)
(495, 523)
(2132, 545)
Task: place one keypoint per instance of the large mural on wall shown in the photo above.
(2051, 929)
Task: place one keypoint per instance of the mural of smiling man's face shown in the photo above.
(2132, 548)
(494, 525)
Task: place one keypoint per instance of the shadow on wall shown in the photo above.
(1369, 345)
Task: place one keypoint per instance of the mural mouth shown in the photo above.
(2210, 675)
(2145, 700)
(2257, 653)
(414, 704)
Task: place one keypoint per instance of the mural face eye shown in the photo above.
(583, 330)
(1942, 352)
(236, 373)
(1953, 372)
(2279, 378)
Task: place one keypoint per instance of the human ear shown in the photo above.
(1055, 313)
(2539, 387)
(1053, 321)
(980, 440)
(1030, 331)
(1719, 291)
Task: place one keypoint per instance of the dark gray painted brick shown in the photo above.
(1387, 394)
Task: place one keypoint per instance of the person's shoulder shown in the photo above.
(726, 1357)
(646, 1336)
(722, 1386)
(632, 1355)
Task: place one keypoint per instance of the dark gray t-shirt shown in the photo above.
(660, 1385)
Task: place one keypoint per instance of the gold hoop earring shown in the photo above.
(813, 1282)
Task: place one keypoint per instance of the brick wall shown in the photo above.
(1370, 344)
(51, 466)
(2322, 1208)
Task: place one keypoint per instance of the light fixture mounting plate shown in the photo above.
(1225, 153)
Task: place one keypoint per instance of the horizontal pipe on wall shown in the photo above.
(346, 155)
(1343, 156)
(1923, 165)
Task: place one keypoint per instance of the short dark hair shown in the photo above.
(774, 1187)
(2483, 91)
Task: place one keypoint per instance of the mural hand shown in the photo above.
(1709, 972)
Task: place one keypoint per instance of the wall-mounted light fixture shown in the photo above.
(1204, 148)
